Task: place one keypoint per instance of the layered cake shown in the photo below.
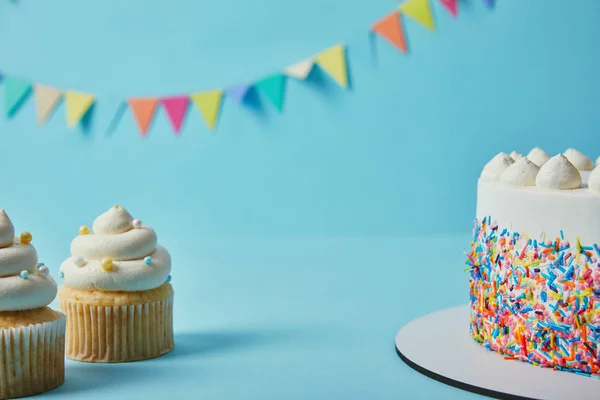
(534, 262)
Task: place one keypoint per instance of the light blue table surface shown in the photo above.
(293, 319)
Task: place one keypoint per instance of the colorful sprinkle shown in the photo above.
(61, 274)
(24, 274)
(536, 301)
(25, 238)
(169, 279)
(148, 260)
(107, 264)
(84, 230)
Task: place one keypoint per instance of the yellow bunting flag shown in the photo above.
(46, 99)
(78, 104)
(333, 61)
(420, 11)
(208, 103)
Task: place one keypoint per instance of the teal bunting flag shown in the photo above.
(273, 88)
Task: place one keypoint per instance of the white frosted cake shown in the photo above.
(535, 276)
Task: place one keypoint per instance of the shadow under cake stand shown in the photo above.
(439, 346)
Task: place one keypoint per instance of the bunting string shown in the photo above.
(332, 61)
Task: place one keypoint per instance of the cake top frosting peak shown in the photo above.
(538, 156)
(579, 160)
(594, 180)
(496, 167)
(559, 174)
(522, 173)
(516, 156)
(120, 253)
(7, 230)
(25, 284)
(114, 221)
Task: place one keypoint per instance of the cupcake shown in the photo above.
(32, 336)
(116, 292)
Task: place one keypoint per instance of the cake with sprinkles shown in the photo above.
(534, 261)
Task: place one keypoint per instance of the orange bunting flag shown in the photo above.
(143, 110)
(390, 27)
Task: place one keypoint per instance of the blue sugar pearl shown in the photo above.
(24, 274)
(169, 279)
(61, 274)
(148, 260)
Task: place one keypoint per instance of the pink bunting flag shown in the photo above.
(176, 108)
(451, 6)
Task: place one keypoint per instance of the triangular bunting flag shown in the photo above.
(176, 107)
(238, 93)
(333, 61)
(273, 87)
(208, 103)
(143, 110)
(16, 91)
(46, 99)
(489, 3)
(390, 27)
(78, 104)
(300, 70)
(420, 11)
(451, 6)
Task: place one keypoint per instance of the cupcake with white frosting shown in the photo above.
(116, 292)
(32, 336)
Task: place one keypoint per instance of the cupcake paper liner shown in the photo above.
(118, 333)
(32, 358)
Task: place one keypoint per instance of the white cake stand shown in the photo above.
(439, 346)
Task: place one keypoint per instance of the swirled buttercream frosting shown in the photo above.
(594, 180)
(493, 169)
(119, 254)
(579, 160)
(538, 156)
(559, 174)
(521, 173)
(515, 156)
(24, 284)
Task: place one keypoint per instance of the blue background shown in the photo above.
(296, 238)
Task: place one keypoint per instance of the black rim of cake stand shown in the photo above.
(457, 384)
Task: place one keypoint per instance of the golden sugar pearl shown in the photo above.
(84, 230)
(107, 264)
(117, 206)
(26, 238)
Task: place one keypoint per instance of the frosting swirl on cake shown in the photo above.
(579, 160)
(521, 173)
(538, 156)
(594, 180)
(121, 254)
(515, 156)
(496, 166)
(558, 173)
(24, 284)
